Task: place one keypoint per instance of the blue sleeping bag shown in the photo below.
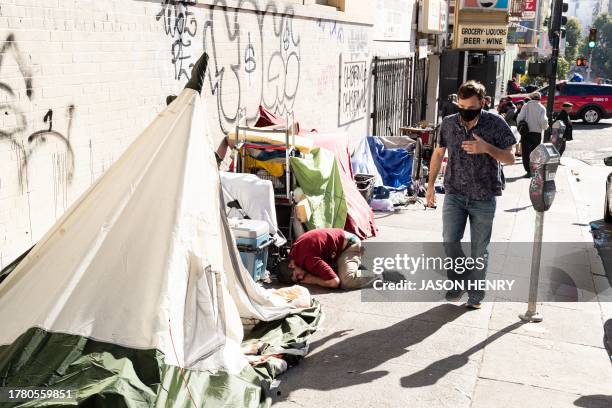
(394, 165)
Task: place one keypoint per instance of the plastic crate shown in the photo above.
(255, 261)
(252, 239)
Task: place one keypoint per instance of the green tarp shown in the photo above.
(319, 177)
(105, 374)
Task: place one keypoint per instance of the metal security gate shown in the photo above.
(419, 92)
(392, 102)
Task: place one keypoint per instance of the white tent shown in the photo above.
(145, 258)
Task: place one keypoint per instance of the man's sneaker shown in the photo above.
(454, 295)
(473, 305)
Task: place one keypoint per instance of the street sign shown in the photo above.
(433, 16)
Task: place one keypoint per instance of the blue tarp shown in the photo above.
(394, 165)
(577, 78)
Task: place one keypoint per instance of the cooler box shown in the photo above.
(253, 239)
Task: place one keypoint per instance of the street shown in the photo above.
(592, 143)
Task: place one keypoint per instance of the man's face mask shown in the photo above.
(469, 115)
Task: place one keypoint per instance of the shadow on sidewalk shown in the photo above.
(518, 209)
(348, 362)
(513, 179)
(437, 370)
(594, 401)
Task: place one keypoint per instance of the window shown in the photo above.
(602, 90)
(337, 4)
(573, 90)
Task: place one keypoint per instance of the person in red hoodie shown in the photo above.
(328, 257)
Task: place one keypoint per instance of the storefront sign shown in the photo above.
(353, 86)
(433, 16)
(493, 5)
(530, 5)
(479, 37)
(522, 33)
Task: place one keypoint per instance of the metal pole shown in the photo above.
(554, 58)
(532, 315)
(466, 55)
(588, 78)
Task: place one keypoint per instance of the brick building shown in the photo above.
(80, 79)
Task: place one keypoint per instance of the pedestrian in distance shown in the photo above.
(534, 114)
(564, 117)
(513, 85)
(501, 106)
(509, 115)
(519, 147)
(488, 103)
(449, 107)
(477, 142)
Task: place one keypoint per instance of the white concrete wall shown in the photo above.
(101, 71)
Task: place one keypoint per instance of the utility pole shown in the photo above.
(588, 70)
(554, 35)
(592, 44)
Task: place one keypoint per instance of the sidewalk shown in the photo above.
(440, 355)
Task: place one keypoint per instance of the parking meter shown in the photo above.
(544, 161)
(557, 133)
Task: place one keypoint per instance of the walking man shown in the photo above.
(477, 142)
(534, 113)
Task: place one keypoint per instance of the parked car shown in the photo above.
(592, 102)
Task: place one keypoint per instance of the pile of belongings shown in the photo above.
(389, 160)
(137, 295)
(324, 174)
(248, 196)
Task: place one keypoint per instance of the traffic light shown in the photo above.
(581, 62)
(592, 37)
(557, 20)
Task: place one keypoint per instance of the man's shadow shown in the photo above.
(438, 369)
(348, 362)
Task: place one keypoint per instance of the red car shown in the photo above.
(592, 102)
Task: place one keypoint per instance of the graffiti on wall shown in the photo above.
(332, 28)
(357, 41)
(327, 79)
(353, 88)
(254, 59)
(181, 26)
(26, 133)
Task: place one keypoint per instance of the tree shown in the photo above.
(573, 38)
(563, 68)
(602, 53)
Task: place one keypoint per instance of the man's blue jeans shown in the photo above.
(455, 213)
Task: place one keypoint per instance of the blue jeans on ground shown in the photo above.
(455, 213)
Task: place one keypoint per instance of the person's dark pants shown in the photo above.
(455, 213)
(529, 142)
